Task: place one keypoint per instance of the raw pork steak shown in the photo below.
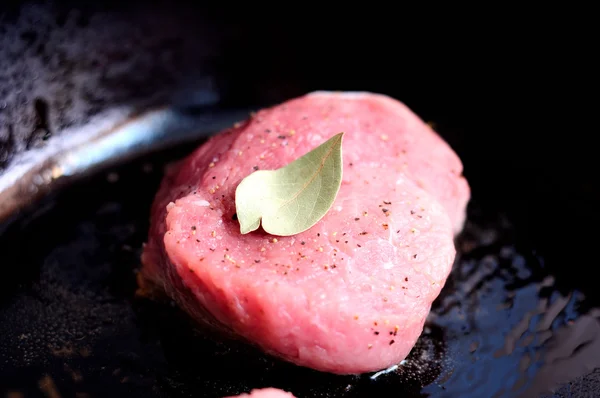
(351, 294)
(265, 393)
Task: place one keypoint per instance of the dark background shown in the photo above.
(513, 87)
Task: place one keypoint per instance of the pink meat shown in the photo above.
(390, 129)
(265, 393)
(351, 294)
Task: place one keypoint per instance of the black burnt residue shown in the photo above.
(7, 146)
(41, 130)
(29, 37)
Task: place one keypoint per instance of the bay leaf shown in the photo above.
(295, 197)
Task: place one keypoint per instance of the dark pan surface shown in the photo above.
(70, 322)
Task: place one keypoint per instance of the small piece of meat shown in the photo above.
(351, 294)
(265, 393)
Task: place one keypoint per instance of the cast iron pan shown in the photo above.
(517, 317)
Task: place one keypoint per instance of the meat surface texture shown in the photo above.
(349, 295)
(265, 393)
